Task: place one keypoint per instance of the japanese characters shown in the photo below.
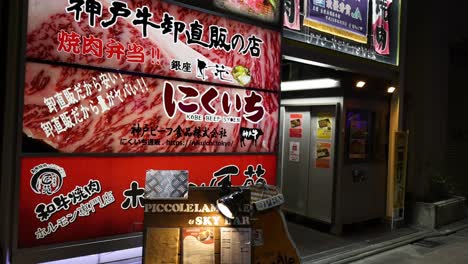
(78, 198)
(155, 38)
(252, 108)
(70, 109)
(143, 19)
(113, 88)
(107, 111)
(346, 19)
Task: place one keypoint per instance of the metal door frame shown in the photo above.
(336, 102)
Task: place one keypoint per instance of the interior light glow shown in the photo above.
(310, 84)
(309, 62)
(391, 89)
(360, 84)
(229, 205)
(224, 210)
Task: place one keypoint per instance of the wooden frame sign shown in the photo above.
(194, 231)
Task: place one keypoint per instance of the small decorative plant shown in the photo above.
(441, 186)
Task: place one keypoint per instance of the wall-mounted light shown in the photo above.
(229, 205)
(360, 84)
(231, 201)
(391, 89)
(322, 83)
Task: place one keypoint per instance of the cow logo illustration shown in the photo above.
(47, 178)
(251, 134)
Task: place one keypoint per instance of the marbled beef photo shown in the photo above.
(87, 111)
(177, 36)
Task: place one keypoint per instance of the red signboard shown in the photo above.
(76, 198)
(156, 38)
(78, 110)
(119, 76)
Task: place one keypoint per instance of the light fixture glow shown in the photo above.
(313, 63)
(391, 89)
(229, 205)
(323, 83)
(360, 84)
(224, 210)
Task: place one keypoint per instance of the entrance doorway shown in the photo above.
(308, 160)
(334, 158)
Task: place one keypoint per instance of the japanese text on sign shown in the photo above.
(142, 18)
(70, 98)
(98, 102)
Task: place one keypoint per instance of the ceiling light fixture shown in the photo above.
(360, 84)
(323, 83)
(309, 62)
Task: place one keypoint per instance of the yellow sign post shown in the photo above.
(399, 174)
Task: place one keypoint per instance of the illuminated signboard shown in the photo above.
(76, 198)
(80, 110)
(363, 28)
(267, 12)
(127, 78)
(157, 39)
(347, 19)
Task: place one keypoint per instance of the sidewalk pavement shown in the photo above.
(446, 245)
(452, 249)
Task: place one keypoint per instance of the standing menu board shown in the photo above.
(163, 245)
(235, 245)
(198, 245)
(116, 88)
(206, 236)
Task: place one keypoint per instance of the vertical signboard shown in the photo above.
(113, 90)
(401, 152)
(291, 14)
(381, 26)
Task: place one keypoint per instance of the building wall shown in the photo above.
(426, 94)
(457, 109)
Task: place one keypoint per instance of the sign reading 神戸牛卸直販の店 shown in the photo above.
(155, 38)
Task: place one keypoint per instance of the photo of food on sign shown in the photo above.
(295, 123)
(155, 37)
(265, 10)
(85, 111)
(101, 81)
(205, 235)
